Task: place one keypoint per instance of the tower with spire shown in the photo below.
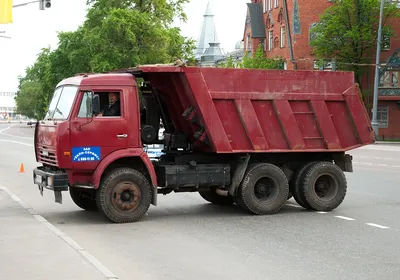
(208, 46)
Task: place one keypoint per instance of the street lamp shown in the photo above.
(42, 5)
(374, 122)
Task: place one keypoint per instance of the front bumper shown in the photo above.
(56, 181)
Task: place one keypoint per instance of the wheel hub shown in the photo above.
(265, 189)
(126, 196)
(325, 187)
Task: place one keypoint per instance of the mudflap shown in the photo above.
(56, 181)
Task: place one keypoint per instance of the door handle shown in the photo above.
(122, 135)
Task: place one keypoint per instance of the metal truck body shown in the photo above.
(250, 137)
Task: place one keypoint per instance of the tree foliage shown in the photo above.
(257, 61)
(115, 34)
(347, 32)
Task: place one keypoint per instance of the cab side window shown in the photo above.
(110, 104)
(85, 110)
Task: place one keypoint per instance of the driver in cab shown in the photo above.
(114, 107)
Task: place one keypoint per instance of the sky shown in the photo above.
(33, 29)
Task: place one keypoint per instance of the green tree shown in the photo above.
(259, 61)
(347, 32)
(229, 63)
(26, 100)
(116, 34)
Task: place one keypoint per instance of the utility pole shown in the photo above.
(374, 122)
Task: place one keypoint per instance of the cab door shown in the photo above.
(93, 138)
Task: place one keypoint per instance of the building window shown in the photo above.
(270, 39)
(385, 42)
(312, 35)
(265, 6)
(270, 4)
(283, 35)
(276, 3)
(248, 43)
(383, 116)
(396, 2)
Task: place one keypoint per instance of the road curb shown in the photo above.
(90, 258)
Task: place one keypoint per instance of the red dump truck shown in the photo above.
(237, 136)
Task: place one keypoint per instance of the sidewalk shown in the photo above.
(394, 143)
(30, 250)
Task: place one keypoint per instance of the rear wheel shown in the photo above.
(264, 189)
(296, 185)
(213, 197)
(124, 196)
(324, 186)
(85, 199)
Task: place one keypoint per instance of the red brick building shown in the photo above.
(282, 28)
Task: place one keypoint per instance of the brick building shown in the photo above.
(282, 28)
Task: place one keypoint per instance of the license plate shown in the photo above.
(38, 179)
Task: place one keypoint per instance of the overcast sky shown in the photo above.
(33, 29)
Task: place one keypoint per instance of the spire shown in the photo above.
(208, 33)
(209, 11)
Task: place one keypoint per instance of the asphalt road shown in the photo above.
(186, 238)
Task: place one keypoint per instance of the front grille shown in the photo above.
(47, 155)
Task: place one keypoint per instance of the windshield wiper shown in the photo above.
(59, 111)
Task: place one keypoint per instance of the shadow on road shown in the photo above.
(203, 212)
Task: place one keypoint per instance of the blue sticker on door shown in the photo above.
(85, 154)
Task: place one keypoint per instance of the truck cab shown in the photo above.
(76, 144)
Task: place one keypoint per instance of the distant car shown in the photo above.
(31, 122)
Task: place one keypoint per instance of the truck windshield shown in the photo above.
(61, 104)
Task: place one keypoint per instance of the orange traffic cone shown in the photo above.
(22, 168)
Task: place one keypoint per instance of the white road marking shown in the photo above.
(376, 225)
(379, 164)
(16, 142)
(4, 129)
(99, 266)
(10, 135)
(16, 136)
(322, 212)
(378, 158)
(345, 218)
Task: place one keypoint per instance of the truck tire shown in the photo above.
(264, 189)
(324, 186)
(296, 185)
(213, 197)
(124, 196)
(83, 199)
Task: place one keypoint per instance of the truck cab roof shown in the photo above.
(109, 79)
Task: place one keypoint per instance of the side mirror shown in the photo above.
(96, 104)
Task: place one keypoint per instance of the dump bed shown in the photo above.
(251, 110)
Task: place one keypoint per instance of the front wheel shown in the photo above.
(124, 196)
